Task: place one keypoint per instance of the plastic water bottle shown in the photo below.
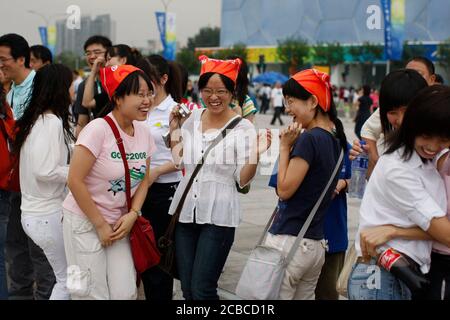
(359, 172)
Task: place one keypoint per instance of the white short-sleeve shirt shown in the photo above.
(405, 194)
(158, 123)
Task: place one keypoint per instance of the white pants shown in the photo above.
(303, 271)
(47, 232)
(95, 272)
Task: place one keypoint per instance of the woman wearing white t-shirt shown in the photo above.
(158, 285)
(43, 138)
(96, 221)
(407, 192)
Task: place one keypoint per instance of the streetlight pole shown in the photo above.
(166, 4)
(40, 15)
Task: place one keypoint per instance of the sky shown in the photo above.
(135, 19)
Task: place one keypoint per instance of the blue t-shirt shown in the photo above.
(320, 149)
(335, 227)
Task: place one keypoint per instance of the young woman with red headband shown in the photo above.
(96, 222)
(211, 212)
(306, 163)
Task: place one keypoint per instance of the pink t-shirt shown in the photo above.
(106, 180)
(445, 173)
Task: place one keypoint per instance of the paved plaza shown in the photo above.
(257, 206)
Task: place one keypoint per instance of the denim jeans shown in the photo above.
(371, 282)
(201, 253)
(5, 208)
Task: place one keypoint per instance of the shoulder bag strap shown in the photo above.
(311, 215)
(314, 209)
(176, 215)
(119, 142)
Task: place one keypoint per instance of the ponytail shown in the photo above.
(173, 84)
(340, 133)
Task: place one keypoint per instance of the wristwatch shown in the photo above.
(139, 212)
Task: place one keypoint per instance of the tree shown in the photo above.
(329, 54)
(206, 37)
(444, 54)
(239, 50)
(367, 52)
(70, 60)
(293, 52)
(189, 60)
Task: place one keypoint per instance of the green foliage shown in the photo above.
(239, 50)
(367, 52)
(206, 37)
(411, 51)
(444, 53)
(70, 60)
(293, 52)
(188, 59)
(329, 54)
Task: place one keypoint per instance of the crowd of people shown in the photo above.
(64, 220)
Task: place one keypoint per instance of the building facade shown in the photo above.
(73, 39)
(265, 22)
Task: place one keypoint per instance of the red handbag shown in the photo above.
(142, 239)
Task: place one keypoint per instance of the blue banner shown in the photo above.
(386, 4)
(171, 38)
(161, 21)
(43, 34)
(394, 28)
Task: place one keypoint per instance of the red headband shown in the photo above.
(112, 77)
(316, 83)
(228, 68)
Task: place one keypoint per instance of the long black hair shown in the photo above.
(294, 89)
(173, 84)
(428, 114)
(397, 90)
(242, 82)
(123, 51)
(50, 92)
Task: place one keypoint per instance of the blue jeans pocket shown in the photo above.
(362, 282)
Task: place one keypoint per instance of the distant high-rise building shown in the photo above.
(73, 39)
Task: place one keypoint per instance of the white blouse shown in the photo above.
(213, 197)
(405, 194)
(44, 167)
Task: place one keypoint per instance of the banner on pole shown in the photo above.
(43, 34)
(171, 37)
(51, 33)
(394, 28)
(161, 22)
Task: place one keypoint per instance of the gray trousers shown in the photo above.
(30, 276)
